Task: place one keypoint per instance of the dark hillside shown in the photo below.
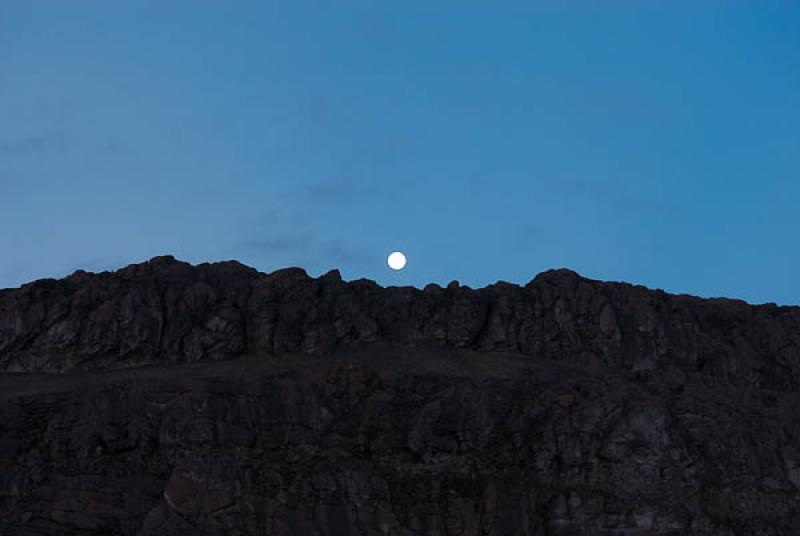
(168, 399)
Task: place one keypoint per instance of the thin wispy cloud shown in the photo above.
(294, 207)
(304, 248)
(528, 234)
(291, 227)
(342, 191)
(345, 254)
(272, 242)
(39, 145)
(619, 200)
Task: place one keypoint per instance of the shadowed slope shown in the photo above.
(381, 440)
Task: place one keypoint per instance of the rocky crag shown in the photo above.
(167, 398)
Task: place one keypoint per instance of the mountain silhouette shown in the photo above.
(169, 399)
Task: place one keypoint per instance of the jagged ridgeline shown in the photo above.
(166, 310)
(167, 399)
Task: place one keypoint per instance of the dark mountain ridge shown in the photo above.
(169, 311)
(171, 399)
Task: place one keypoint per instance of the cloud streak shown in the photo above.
(293, 228)
(621, 201)
(279, 242)
(34, 145)
(330, 192)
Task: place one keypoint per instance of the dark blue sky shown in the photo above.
(652, 142)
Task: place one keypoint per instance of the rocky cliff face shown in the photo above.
(281, 404)
(169, 311)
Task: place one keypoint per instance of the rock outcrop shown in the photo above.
(170, 311)
(172, 399)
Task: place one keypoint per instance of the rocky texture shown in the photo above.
(567, 406)
(167, 311)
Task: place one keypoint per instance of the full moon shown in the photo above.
(396, 260)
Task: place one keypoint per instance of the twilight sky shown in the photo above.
(653, 142)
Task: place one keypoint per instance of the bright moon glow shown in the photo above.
(397, 261)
